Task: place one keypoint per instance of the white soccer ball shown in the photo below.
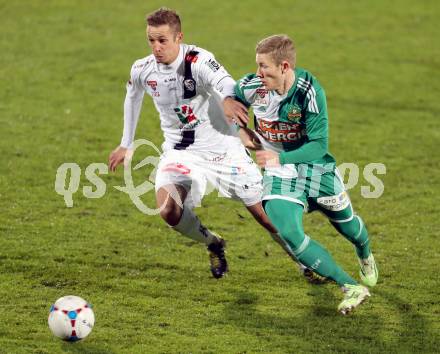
(71, 318)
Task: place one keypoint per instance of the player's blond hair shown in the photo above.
(165, 16)
(280, 47)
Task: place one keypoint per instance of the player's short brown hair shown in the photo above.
(165, 16)
(280, 47)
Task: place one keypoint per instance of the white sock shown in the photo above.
(190, 226)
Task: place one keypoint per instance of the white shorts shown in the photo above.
(232, 173)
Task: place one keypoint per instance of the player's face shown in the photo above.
(164, 42)
(270, 73)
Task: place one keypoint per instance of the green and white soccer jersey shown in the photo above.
(286, 123)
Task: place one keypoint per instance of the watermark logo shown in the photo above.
(233, 180)
(67, 190)
(136, 192)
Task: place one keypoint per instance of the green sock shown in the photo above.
(287, 219)
(356, 232)
(317, 258)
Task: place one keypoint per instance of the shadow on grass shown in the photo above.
(366, 330)
(415, 335)
(85, 347)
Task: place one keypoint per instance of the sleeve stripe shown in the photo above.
(243, 82)
(246, 81)
(224, 77)
(311, 94)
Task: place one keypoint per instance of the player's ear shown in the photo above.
(285, 66)
(179, 36)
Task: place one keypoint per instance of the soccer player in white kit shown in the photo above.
(182, 80)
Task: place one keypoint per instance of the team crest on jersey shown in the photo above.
(189, 84)
(294, 113)
(152, 84)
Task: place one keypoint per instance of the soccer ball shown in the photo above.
(71, 318)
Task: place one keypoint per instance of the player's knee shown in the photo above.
(289, 227)
(291, 233)
(171, 213)
(294, 237)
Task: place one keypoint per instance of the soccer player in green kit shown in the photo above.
(300, 175)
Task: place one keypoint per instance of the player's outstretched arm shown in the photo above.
(132, 110)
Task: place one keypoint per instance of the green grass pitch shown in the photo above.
(63, 68)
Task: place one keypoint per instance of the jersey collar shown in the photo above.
(291, 90)
(169, 68)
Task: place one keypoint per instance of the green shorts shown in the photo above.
(325, 193)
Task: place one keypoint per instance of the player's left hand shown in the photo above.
(267, 158)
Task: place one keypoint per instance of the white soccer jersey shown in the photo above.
(184, 121)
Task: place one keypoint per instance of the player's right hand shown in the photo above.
(235, 111)
(116, 157)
